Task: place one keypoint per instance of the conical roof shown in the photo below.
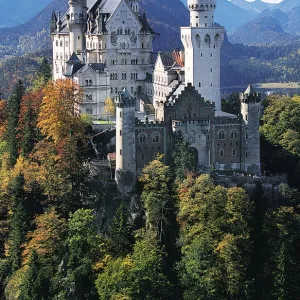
(74, 59)
(250, 90)
(53, 17)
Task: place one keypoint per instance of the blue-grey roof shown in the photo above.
(109, 6)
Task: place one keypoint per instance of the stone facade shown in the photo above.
(109, 32)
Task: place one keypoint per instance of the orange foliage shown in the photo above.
(33, 101)
(57, 117)
(48, 236)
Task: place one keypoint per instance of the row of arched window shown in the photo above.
(143, 138)
(88, 82)
(222, 134)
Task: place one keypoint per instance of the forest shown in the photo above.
(180, 235)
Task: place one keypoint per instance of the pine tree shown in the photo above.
(120, 237)
(18, 223)
(44, 71)
(33, 288)
(13, 107)
(29, 133)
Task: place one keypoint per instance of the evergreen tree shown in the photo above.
(35, 282)
(44, 71)
(13, 107)
(184, 157)
(120, 236)
(18, 223)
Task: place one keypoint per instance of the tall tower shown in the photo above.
(77, 19)
(251, 112)
(125, 142)
(202, 42)
(135, 5)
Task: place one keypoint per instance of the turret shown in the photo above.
(202, 13)
(125, 141)
(251, 112)
(77, 19)
(53, 22)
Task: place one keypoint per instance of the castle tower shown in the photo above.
(125, 142)
(202, 42)
(77, 19)
(251, 112)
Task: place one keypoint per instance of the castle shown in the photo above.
(106, 46)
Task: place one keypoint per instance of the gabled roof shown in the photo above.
(109, 6)
(171, 59)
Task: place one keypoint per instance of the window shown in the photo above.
(246, 117)
(61, 43)
(142, 156)
(246, 155)
(246, 136)
(90, 82)
(234, 135)
(120, 132)
(208, 137)
(155, 138)
(221, 135)
(121, 152)
(233, 152)
(199, 84)
(221, 153)
(86, 83)
(142, 138)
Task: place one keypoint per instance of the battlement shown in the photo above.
(227, 120)
(125, 100)
(147, 124)
(252, 98)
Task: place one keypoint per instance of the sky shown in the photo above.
(271, 1)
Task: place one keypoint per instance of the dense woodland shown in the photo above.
(190, 239)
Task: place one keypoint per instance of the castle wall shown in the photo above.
(150, 141)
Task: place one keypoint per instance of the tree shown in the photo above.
(58, 118)
(120, 237)
(184, 157)
(281, 231)
(215, 240)
(13, 108)
(109, 107)
(137, 276)
(281, 122)
(83, 242)
(18, 223)
(156, 195)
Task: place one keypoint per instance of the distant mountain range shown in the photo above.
(270, 27)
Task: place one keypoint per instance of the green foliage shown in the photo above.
(282, 232)
(137, 276)
(120, 235)
(215, 238)
(13, 106)
(18, 223)
(156, 194)
(281, 123)
(184, 157)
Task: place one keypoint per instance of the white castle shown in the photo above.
(106, 46)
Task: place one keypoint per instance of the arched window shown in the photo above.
(221, 153)
(142, 138)
(155, 137)
(233, 152)
(90, 82)
(233, 135)
(221, 135)
(61, 43)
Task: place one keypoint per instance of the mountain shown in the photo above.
(16, 12)
(231, 15)
(264, 30)
(255, 6)
(288, 5)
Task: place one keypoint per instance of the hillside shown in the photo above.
(263, 30)
(287, 5)
(16, 12)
